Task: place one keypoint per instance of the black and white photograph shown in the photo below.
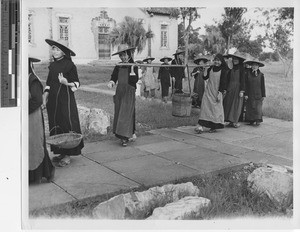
(138, 115)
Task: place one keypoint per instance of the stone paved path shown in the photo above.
(164, 155)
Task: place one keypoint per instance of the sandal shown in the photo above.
(198, 129)
(230, 124)
(133, 138)
(58, 158)
(124, 142)
(236, 125)
(212, 131)
(64, 162)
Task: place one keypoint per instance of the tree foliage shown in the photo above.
(279, 26)
(188, 14)
(213, 41)
(231, 23)
(131, 31)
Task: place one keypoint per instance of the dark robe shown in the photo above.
(124, 100)
(61, 107)
(255, 90)
(233, 102)
(164, 77)
(178, 74)
(39, 161)
(199, 85)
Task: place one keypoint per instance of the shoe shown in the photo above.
(230, 124)
(257, 123)
(198, 129)
(58, 158)
(133, 138)
(64, 162)
(124, 142)
(251, 123)
(212, 131)
(236, 125)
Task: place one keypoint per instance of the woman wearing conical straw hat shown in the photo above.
(164, 78)
(39, 162)
(199, 84)
(211, 111)
(235, 89)
(178, 72)
(255, 92)
(126, 78)
(149, 79)
(59, 98)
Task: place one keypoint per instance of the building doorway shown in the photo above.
(104, 43)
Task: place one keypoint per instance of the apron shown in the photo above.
(124, 101)
(212, 110)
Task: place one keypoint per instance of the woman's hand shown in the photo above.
(62, 79)
(45, 100)
(110, 84)
(241, 94)
(246, 98)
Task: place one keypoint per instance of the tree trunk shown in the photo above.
(50, 30)
(228, 43)
(149, 39)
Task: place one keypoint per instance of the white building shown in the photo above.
(87, 31)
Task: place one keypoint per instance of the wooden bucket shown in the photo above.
(181, 105)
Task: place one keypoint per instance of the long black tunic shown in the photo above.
(256, 91)
(164, 77)
(39, 161)
(124, 101)
(62, 109)
(178, 74)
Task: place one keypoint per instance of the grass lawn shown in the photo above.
(279, 92)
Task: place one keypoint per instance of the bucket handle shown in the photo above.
(55, 129)
(188, 76)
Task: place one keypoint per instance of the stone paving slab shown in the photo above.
(118, 154)
(259, 157)
(221, 147)
(262, 130)
(223, 135)
(107, 145)
(173, 134)
(138, 164)
(268, 144)
(179, 156)
(162, 175)
(278, 122)
(149, 139)
(83, 178)
(164, 147)
(47, 194)
(211, 162)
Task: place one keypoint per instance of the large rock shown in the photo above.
(275, 181)
(93, 121)
(186, 208)
(137, 205)
(84, 114)
(99, 121)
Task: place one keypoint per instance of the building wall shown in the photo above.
(82, 40)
